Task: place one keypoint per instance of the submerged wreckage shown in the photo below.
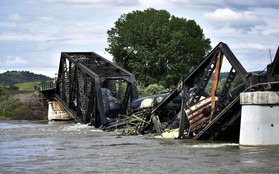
(197, 109)
(203, 106)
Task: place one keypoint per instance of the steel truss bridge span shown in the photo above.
(87, 84)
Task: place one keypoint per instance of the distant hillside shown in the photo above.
(15, 77)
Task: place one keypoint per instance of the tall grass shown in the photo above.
(9, 108)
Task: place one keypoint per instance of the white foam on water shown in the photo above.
(79, 127)
(213, 145)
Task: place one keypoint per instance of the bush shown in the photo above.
(2, 90)
(154, 89)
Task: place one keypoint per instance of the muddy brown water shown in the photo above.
(60, 147)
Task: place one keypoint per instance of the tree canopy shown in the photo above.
(157, 47)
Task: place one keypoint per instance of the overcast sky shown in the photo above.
(33, 33)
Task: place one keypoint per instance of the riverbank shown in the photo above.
(22, 106)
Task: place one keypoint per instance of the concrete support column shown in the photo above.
(259, 118)
(56, 111)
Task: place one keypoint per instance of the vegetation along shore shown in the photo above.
(18, 98)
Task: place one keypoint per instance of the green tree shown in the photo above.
(157, 47)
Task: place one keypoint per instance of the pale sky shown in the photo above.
(33, 33)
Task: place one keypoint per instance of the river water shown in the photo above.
(61, 147)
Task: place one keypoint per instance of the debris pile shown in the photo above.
(197, 109)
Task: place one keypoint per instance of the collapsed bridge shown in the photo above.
(207, 111)
(203, 106)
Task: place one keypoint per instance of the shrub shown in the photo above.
(154, 89)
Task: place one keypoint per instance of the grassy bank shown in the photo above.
(12, 109)
(22, 106)
(27, 86)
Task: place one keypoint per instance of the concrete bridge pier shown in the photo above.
(56, 111)
(259, 118)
